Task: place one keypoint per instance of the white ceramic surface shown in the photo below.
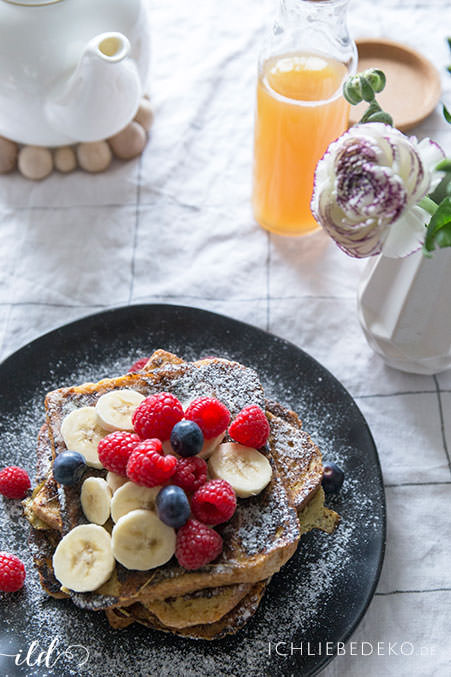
(405, 311)
(71, 70)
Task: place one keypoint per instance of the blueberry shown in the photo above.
(332, 478)
(68, 467)
(173, 507)
(187, 438)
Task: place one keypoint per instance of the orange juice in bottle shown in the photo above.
(300, 110)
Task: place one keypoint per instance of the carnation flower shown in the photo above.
(367, 188)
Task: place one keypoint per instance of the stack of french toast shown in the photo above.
(262, 535)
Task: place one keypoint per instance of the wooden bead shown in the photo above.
(35, 162)
(8, 155)
(144, 114)
(95, 156)
(129, 142)
(65, 159)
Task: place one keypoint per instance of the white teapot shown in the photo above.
(71, 70)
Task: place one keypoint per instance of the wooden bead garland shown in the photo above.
(8, 155)
(65, 159)
(94, 157)
(145, 115)
(38, 162)
(130, 142)
(35, 162)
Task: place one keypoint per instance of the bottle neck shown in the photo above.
(326, 11)
(312, 5)
(318, 26)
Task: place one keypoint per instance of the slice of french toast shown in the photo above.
(232, 383)
(229, 624)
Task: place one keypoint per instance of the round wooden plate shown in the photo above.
(413, 83)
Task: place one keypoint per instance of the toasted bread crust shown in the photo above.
(229, 624)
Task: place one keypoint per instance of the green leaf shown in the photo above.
(444, 165)
(429, 205)
(446, 114)
(443, 189)
(443, 238)
(439, 229)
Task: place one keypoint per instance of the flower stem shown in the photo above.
(363, 87)
(428, 205)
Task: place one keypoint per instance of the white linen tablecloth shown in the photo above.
(175, 226)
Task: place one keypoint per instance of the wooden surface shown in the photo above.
(413, 83)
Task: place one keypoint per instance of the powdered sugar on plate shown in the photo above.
(301, 602)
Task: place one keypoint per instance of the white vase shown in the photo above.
(404, 308)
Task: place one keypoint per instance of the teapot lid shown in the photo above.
(31, 3)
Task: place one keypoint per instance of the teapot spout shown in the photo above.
(101, 96)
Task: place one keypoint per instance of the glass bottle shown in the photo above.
(300, 108)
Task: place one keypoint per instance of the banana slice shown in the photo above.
(167, 449)
(81, 432)
(95, 498)
(141, 541)
(245, 468)
(132, 497)
(83, 559)
(208, 447)
(116, 408)
(115, 481)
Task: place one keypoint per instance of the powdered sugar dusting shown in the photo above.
(234, 387)
(299, 599)
(262, 521)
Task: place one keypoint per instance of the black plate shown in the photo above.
(321, 593)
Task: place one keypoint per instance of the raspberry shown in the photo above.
(12, 573)
(115, 449)
(190, 473)
(156, 416)
(211, 415)
(138, 365)
(197, 545)
(148, 467)
(214, 502)
(14, 482)
(250, 427)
